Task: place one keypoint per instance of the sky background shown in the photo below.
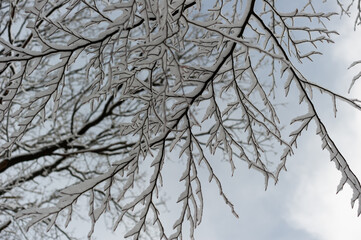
(304, 204)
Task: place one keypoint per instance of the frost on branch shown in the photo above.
(341, 164)
(100, 100)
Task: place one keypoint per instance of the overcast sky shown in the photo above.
(304, 204)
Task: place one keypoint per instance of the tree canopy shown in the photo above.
(100, 98)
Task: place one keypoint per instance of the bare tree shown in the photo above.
(97, 97)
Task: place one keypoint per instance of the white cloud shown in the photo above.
(314, 207)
